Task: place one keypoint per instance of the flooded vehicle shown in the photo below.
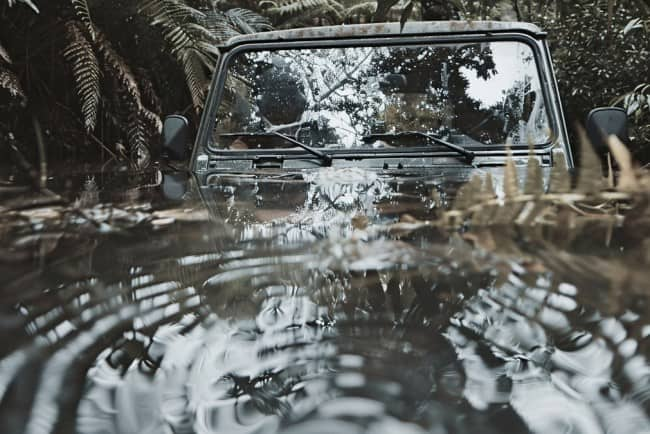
(333, 263)
(427, 102)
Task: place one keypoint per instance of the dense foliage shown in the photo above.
(96, 76)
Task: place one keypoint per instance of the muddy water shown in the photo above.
(245, 309)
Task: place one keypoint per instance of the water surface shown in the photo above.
(244, 309)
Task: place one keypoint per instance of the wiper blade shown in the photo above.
(469, 155)
(322, 156)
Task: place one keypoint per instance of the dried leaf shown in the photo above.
(510, 182)
(469, 193)
(488, 187)
(590, 172)
(627, 178)
(560, 181)
(534, 179)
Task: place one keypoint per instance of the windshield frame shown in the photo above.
(216, 93)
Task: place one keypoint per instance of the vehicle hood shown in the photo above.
(334, 201)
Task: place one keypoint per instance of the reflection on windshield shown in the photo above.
(474, 94)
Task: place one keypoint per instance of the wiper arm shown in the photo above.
(322, 156)
(469, 155)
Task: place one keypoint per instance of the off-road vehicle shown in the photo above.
(434, 101)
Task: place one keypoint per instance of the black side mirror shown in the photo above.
(175, 185)
(603, 122)
(176, 137)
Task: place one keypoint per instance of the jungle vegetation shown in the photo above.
(90, 80)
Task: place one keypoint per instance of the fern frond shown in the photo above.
(83, 15)
(29, 3)
(295, 7)
(9, 83)
(365, 10)
(4, 56)
(325, 15)
(179, 24)
(247, 21)
(192, 44)
(114, 65)
(219, 25)
(81, 57)
(141, 123)
(197, 80)
(137, 138)
(147, 90)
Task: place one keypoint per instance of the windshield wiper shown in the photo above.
(322, 156)
(469, 155)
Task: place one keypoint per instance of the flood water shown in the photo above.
(246, 309)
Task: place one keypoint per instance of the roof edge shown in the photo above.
(411, 28)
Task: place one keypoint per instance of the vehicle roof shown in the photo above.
(385, 29)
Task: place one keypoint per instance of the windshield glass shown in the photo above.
(475, 95)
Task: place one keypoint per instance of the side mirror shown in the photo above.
(176, 137)
(175, 185)
(603, 122)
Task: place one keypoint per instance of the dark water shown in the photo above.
(122, 312)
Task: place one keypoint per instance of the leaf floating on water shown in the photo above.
(510, 182)
(560, 181)
(627, 178)
(590, 172)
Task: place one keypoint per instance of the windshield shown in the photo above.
(474, 95)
